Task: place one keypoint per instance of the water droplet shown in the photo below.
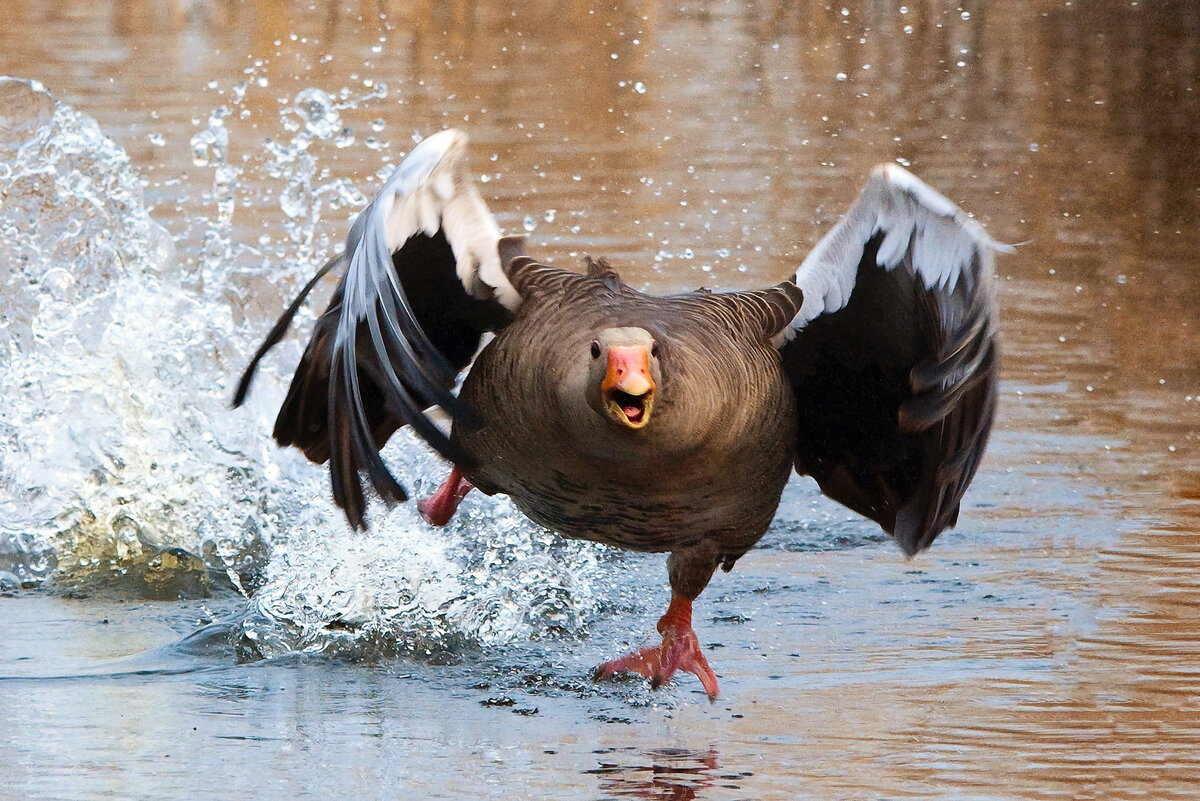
(25, 107)
(529, 223)
(316, 111)
(841, 76)
(639, 87)
(293, 200)
(549, 215)
(224, 189)
(201, 142)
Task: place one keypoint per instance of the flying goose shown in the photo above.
(644, 422)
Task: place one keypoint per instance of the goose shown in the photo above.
(652, 423)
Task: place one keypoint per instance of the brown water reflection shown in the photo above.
(1052, 649)
(663, 774)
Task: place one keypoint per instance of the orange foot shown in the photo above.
(680, 650)
(439, 507)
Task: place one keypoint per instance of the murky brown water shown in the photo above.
(1050, 648)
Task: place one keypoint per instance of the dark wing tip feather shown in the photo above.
(344, 479)
(401, 380)
(279, 329)
(950, 411)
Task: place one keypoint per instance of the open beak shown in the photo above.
(628, 389)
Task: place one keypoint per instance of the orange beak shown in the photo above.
(627, 388)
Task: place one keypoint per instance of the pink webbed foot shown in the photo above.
(680, 650)
(439, 507)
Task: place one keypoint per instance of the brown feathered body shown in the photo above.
(704, 475)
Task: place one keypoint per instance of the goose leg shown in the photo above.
(680, 649)
(439, 507)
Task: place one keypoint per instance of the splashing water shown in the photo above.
(124, 469)
(120, 458)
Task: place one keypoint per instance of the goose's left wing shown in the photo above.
(893, 357)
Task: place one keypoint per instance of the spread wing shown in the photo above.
(423, 282)
(894, 357)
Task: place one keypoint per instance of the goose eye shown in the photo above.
(654, 350)
(595, 349)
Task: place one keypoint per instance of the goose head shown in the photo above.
(624, 363)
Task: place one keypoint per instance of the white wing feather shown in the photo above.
(906, 211)
(430, 190)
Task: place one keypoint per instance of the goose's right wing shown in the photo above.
(423, 282)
